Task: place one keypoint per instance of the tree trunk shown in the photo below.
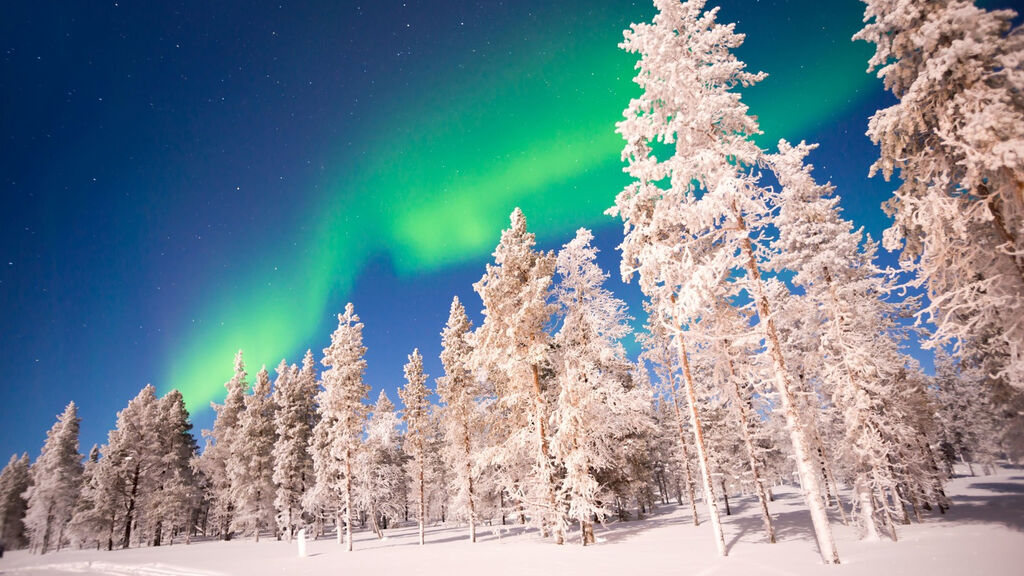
(702, 454)
(348, 498)
(741, 404)
(725, 495)
(422, 491)
(686, 457)
(546, 471)
(131, 508)
(469, 479)
(805, 467)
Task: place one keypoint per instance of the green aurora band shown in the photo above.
(448, 166)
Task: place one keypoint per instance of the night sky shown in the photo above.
(184, 179)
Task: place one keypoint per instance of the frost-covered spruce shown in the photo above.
(251, 465)
(176, 491)
(15, 479)
(380, 479)
(598, 405)
(219, 447)
(955, 140)
(342, 408)
(416, 413)
(56, 481)
(295, 396)
(461, 419)
(692, 220)
(509, 350)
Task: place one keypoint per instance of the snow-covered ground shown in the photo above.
(983, 535)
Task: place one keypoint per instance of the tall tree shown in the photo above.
(598, 405)
(295, 396)
(954, 139)
(15, 480)
(692, 220)
(512, 348)
(220, 445)
(416, 415)
(56, 481)
(380, 479)
(251, 465)
(460, 416)
(176, 493)
(343, 410)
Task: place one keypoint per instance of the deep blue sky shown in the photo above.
(180, 178)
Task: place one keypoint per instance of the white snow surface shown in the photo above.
(983, 534)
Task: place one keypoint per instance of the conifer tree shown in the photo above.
(510, 349)
(251, 465)
(219, 447)
(954, 139)
(416, 415)
(15, 480)
(461, 418)
(598, 406)
(56, 481)
(380, 479)
(295, 397)
(342, 411)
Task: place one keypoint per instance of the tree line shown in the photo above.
(774, 343)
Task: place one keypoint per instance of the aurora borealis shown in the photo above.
(530, 129)
(181, 181)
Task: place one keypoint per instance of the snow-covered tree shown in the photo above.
(219, 447)
(251, 464)
(954, 139)
(342, 409)
(89, 519)
(56, 481)
(510, 349)
(380, 479)
(598, 405)
(696, 220)
(295, 396)
(176, 494)
(460, 415)
(15, 480)
(416, 416)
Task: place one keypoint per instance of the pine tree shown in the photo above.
(87, 522)
(220, 444)
(461, 418)
(380, 479)
(416, 414)
(511, 347)
(15, 480)
(176, 493)
(295, 396)
(954, 139)
(342, 410)
(56, 481)
(251, 464)
(598, 407)
(692, 220)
